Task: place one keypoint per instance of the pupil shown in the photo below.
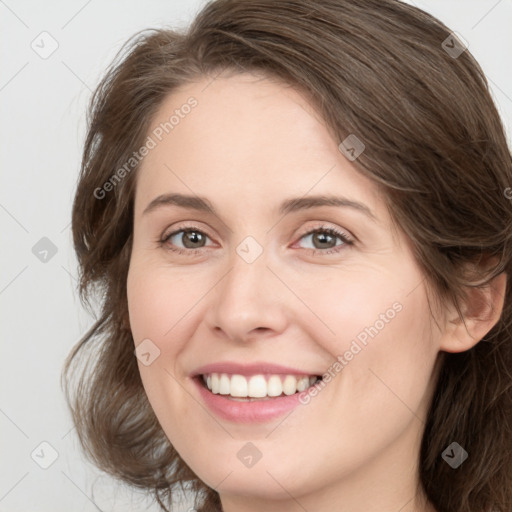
(323, 238)
(194, 237)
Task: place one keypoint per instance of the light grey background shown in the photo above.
(42, 123)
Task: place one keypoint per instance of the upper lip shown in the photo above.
(248, 369)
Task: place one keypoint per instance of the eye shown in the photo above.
(324, 240)
(191, 238)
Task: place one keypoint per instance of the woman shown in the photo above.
(296, 215)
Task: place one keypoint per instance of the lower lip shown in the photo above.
(246, 412)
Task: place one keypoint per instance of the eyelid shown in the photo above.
(342, 233)
(183, 227)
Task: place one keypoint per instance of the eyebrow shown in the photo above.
(290, 205)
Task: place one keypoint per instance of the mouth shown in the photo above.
(255, 388)
(217, 390)
(254, 393)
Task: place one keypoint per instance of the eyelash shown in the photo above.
(347, 241)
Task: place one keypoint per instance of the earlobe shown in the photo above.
(481, 313)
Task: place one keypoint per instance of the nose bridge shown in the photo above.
(246, 298)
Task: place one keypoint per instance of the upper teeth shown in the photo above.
(257, 386)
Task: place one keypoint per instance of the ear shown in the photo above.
(481, 312)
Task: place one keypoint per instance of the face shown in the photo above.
(320, 289)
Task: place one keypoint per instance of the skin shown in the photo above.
(248, 145)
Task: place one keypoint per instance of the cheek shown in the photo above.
(360, 307)
(380, 341)
(158, 302)
(158, 307)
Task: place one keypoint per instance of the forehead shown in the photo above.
(245, 137)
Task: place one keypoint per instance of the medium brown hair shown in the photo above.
(435, 145)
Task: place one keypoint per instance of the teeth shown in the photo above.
(257, 386)
(290, 385)
(224, 385)
(236, 387)
(274, 386)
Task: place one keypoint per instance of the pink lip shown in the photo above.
(245, 412)
(250, 369)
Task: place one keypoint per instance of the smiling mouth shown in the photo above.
(258, 387)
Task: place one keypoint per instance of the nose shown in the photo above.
(248, 301)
